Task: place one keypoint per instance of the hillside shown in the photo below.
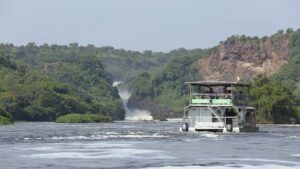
(28, 93)
(246, 58)
(83, 75)
(88, 69)
(119, 64)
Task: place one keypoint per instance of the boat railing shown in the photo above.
(213, 121)
(218, 99)
(212, 95)
(200, 101)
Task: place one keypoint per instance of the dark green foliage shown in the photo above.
(143, 85)
(5, 121)
(60, 79)
(84, 118)
(241, 38)
(166, 86)
(279, 32)
(5, 117)
(290, 72)
(120, 64)
(81, 68)
(274, 101)
(80, 86)
(126, 65)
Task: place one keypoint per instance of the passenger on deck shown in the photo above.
(211, 92)
(227, 93)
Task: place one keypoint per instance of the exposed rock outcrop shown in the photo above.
(245, 59)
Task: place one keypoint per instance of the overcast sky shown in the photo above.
(158, 25)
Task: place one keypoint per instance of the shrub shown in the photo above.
(5, 117)
(84, 118)
(5, 120)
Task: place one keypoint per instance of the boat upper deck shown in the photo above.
(218, 93)
(217, 83)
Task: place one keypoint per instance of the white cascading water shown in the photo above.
(131, 114)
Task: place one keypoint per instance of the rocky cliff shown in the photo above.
(244, 59)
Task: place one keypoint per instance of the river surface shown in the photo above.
(157, 145)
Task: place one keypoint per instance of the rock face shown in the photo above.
(234, 59)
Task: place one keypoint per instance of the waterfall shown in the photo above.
(131, 114)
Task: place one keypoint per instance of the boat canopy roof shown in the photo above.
(217, 83)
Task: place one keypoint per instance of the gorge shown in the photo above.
(131, 114)
(41, 83)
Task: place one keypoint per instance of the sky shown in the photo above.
(157, 25)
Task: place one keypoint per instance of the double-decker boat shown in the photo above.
(219, 106)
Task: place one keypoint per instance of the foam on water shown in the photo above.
(136, 136)
(108, 135)
(137, 144)
(209, 135)
(174, 119)
(229, 167)
(42, 148)
(295, 155)
(97, 151)
(292, 137)
(256, 160)
(289, 125)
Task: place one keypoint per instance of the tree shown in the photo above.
(273, 100)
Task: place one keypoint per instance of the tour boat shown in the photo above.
(219, 106)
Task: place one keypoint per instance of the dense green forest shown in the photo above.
(41, 83)
(77, 86)
(119, 64)
(276, 98)
(167, 85)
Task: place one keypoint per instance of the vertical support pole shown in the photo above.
(200, 115)
(184, 114)
(232, 93)
(190, 93)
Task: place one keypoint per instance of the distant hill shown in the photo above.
(43, 82)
